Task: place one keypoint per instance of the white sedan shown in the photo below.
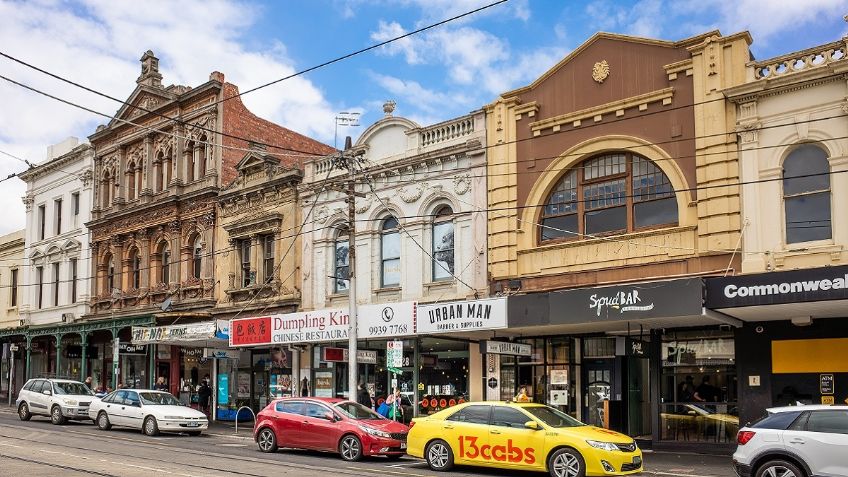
(151, 411)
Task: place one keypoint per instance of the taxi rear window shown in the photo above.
(472, 415)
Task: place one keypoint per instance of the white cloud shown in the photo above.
(408, 46)
(766, 19)
(99, 42)
(642, 18)
(409, 94)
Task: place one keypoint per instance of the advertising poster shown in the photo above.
(243, 385)
(223, 389)
(559, 377)
(324, 383)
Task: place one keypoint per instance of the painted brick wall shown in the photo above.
(239, 121)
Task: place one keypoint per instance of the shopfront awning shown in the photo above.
(812, 293)
(204, 334)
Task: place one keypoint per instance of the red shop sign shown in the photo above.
(250, 331)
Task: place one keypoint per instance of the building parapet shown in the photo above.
(803, 60)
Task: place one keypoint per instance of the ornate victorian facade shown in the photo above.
(419, 233)
(259, 219)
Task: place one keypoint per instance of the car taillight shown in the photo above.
(743, 437)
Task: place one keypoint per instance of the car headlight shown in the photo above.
(608, 446)
(70, 402)
(375, 432)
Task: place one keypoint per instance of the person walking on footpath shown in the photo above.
(204, 395)
(160, 384)
(363, 396)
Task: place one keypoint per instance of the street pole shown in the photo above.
(353, 366)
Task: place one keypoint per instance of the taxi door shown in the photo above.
(511, 444)
(467, 432)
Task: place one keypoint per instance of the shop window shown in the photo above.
(699, 387)
(472, 415)
(509, 417)
(613, 193)
(806, 195)
(390, 253)
(599, 347)
(341, 261)
(443, 244)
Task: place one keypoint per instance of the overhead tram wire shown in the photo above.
(265, 85)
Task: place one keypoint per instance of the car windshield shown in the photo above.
(357, 411)
(159, 399)
(76, 389)
(553, 417)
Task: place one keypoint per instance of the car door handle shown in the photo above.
(496, 432)
(797, 441)
(447, 427)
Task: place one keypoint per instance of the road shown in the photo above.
(38, 448)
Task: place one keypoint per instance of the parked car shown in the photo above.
(151, 411)
(61, 399)
(521, 436)
(331, 425)
(795, 441)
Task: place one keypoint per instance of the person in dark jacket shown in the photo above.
(363, 396)
(204, 395)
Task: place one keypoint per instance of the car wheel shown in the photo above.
(439, 456)
(267, 440)
(23, 412)
(151, 427)
(350, 448)
(56, 416)
(779, 468)
(103, 421)
(566, 463)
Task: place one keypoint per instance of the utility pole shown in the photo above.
(347, 161)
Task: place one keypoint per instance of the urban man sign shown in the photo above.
(794, 286)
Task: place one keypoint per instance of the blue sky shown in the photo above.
(443, 73)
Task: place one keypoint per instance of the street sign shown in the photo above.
(493, 383)
(394, 354)
(826, 384)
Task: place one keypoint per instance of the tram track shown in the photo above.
(183, 451)
(57, 466)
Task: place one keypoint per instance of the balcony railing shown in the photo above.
(800, 60)
(447, 131)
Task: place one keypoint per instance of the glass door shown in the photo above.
(598, 388)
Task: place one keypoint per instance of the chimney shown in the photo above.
(150, 75)
(216, 76)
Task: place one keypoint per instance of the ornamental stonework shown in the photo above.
(600, 71)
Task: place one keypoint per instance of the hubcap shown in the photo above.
(24, 410)
(149, 426)
(566, 465)
(56, 413)
(779, 471)
(350, 448)
(438, 455)
(103, 421)
(265, 440)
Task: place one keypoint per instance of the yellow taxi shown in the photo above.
(521, 436)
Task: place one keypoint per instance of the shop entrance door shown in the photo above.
(598, 375)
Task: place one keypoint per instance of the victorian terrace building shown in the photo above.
(159, 168)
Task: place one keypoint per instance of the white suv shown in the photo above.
(795, 441)
(61, 399)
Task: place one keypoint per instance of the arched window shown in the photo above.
(164, 263)
(341, 263)
(614, 193)
(106, 189)
(131, 181)
(197, 256)
(160, 172)
(110, 273)
(203, 148)
(806, 194)
(390, 252)
(443, 250)
(192, 153)
(135, 269)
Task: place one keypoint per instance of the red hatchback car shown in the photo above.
(325, 424)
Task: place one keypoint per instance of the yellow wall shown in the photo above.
(810, 356)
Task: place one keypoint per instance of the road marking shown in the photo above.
(368, 469)
(232, 445)
(674, 474)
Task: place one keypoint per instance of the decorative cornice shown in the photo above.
(576, 117)
(674, 69)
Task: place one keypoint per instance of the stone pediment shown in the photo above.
(143, 99)
(252, 223)
(256, 161)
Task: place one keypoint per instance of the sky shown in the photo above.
(436, 75)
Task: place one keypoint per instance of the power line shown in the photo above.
(265, 85)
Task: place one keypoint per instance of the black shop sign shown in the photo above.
(773, 288)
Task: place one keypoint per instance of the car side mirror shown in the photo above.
(47, 392)
(532, 425)
(330, 417)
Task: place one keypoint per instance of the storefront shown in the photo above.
(602, 355)
(792, 347)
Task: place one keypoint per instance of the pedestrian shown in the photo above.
(88, 382)
(522, 395)
(160, 384)
(204, 394)
(304, 387)
(706, 392)
(363, 396)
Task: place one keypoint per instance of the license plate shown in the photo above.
(193, 424)
(403, 445)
